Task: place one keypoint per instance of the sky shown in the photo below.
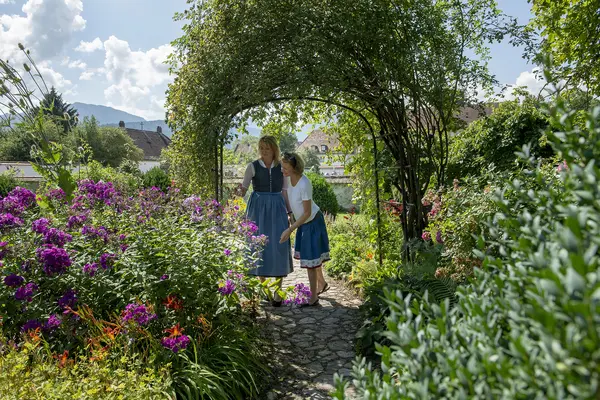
(112, 52)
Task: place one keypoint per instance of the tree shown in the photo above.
(311, 160)
(52, 105)
(570, 32)
(403, 69)
(494, 139)
(110, 146)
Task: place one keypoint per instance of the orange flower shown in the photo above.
(173, 302)
(63, 359)
(35, 335)
(175, 331)
(111, 332)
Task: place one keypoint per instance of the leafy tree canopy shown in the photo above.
(570, 32)
(403, 68)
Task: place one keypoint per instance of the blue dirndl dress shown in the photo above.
(266, 207)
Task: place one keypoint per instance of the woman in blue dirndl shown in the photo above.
(268, 208)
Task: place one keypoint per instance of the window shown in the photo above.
(324, 148)
(315, 148)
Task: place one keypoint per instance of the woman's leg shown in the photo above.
(320, 279)
(278, 284)
(313, 279)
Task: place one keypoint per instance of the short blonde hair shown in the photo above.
(295, 161)
(272, 143)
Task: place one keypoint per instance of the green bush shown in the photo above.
(29, 374)
(156, 177)
(323, 193)
(8, 181)
(495, 139)
(528, 327)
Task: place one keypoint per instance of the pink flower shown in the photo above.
(426, 236)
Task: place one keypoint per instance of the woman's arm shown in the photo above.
(307, 205)
(248, 175)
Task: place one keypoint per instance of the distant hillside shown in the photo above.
(148, 126)
(104, 115)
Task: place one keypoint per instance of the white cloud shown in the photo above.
(7, 1)
(86, 76)
(77, 64)
(89, 47)
(52, 77)
(136, 77)
(45, 28)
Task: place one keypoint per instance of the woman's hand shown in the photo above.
(285, 235)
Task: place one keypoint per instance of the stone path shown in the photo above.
(312, 343)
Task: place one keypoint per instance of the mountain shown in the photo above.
(105, 115)
(108, 116)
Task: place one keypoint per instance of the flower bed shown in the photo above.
(158, 275)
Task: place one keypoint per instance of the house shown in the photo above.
(327, 149)
(151, 142)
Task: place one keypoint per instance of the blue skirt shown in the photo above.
(269, 213)
(312, 243)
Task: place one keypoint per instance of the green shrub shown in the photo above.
(30, 374)
(495, 138)
(156, 177)
(8, 181)
(528, 327)
(323, 193)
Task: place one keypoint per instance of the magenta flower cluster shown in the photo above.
(40, 226)
(14, 280)
(176, 343)
(25, 293)
(54, 260)
(91, 232)
(57, 237)
(8, 221)
(69, 299)
(226, 287)
(138, 313)
(302, 295)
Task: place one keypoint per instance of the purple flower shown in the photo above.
(57, 237)
(40, 225)
(14, 280)
(26, 292)
(68, 299)
(8, 221)
(164, 277)
(53, 322)
(32, 324)
(92, 232)
(139, 313)
(56, 194)
(55, 260)
(17, 201)
(26, 196)
(176, 343)
(90, 269)
(302, 295)
(76, 220)
(107, 260)
(226, 287)
(438, 237)
(227, 252)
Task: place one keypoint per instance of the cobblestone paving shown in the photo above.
(312, 343)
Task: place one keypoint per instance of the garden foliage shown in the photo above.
(528, 324)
